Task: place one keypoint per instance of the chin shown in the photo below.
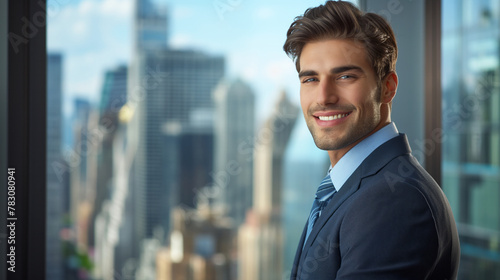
(331, 145)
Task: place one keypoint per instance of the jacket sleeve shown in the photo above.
(389, 233)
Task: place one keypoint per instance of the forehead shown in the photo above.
(333, 53)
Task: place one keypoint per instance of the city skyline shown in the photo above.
(175, 110)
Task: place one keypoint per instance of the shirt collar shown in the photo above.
(355, 156)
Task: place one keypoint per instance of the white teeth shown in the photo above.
(331, 118)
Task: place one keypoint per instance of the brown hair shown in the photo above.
(342, 20)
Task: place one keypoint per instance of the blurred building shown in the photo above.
(471, 125)
(113, 224)
(173, 127)
(304, 167)
(146, 269)
(170, 92)
(113, 97)
(260, 238)
(114, 91)
(234, 135)
(83, 162)
(111, 227)
(81, 168)
(202, 247)
(56, 168)
(150, 25)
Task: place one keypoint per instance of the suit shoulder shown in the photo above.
(400, 188)
(404, 173)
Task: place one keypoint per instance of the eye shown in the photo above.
(308, 80)
(346, 77)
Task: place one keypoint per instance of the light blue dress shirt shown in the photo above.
(355, 156)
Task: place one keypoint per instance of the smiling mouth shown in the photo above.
(333, 117)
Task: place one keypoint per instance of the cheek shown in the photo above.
(365, 104)
(359, 99)
(367, 98)
(304, 101)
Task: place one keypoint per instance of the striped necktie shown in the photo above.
(323, 195)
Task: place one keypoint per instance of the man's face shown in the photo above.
(339, 93)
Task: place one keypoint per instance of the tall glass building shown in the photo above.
(471, 125)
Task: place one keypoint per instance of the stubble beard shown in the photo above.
(325, 139)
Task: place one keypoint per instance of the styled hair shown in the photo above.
(342, 20)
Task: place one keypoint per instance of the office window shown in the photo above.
(471, 124)
(168, 131)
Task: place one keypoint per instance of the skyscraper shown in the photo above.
(173, 127)
(84, 168)
(113, 97)
(151, 31)
(55, 167)
(471, 131)
(114, 91)
(112, 225)
(109, 224)
(260, 239)
(234, 128)
(272, 140)
(171, 94)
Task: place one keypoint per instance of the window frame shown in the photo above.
(433, 126)
(23, 120)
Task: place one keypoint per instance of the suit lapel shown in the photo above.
(349, 188)
(298, 253)
(372, 164)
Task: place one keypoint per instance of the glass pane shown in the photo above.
(173, 148)
(471, 121)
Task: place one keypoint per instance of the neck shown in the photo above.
(336, 155)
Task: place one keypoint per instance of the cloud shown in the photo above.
(121, 9)
(73, 25)
(264, 12)
(93, 36)
(181, 41)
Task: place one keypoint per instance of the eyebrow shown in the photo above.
(335, 70)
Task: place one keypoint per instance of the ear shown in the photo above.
(389, 87)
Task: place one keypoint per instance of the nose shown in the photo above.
(327, 94)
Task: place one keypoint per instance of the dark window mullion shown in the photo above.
(27, 132)
(432, 103)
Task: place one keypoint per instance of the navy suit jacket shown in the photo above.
(390, 220)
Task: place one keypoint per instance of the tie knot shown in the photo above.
(325, 188)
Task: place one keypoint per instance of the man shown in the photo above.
(377, 214)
